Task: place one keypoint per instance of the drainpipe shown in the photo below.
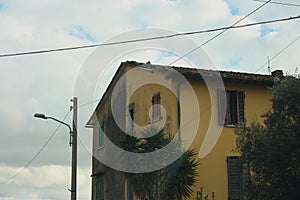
(178, 110)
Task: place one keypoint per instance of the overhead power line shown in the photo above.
(278, 53)
(36, 155)
(280, 3)
(232, 26)
(224, 30)
(146, 39)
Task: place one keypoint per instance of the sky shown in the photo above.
(46, 82)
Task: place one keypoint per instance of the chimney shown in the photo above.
(278, 74)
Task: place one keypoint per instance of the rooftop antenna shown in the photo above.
(269, 69)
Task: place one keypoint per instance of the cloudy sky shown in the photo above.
(46, 82)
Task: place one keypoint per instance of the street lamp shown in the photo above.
(73, 143)
(42, 116)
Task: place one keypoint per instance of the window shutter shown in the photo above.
(130, 118)
(234, 173)
(156, 113)
(158, 107)
(222, 98)
(101, 136)
(129, 195)
(154, 107)
(241, 106)
(100, 188)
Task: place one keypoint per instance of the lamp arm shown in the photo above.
(71, 132)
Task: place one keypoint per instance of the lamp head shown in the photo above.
(39, 115)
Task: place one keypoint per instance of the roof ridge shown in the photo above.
(135, 63)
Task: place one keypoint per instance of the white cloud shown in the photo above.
(45, 82)
(36, 182)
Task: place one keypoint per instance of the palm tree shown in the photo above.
(174, 181)
(181, 176)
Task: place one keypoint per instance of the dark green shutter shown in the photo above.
(234, 173)
(241, 106)
(222, 105)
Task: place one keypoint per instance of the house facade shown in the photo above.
(200, 107)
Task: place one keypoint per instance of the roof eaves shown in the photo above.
(90, 122)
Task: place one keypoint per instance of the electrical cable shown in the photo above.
(149, 38)
(209, 106)
(91, 102)
(279, 3)
(36, 155)
(83, 145)
(109, 95)
(278, 53)
(88, 103)
(217, 35)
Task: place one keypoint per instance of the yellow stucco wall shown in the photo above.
(141, 99)
(141, 86)
(213, 168)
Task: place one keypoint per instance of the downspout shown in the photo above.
(178, 110)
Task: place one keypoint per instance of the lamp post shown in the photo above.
(42, 116)
(72, 142)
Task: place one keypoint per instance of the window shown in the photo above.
(128, 192)
(100, 188)
(131, 117)
(238, 176)
(156, 113)
(101, 136)
(234, 173)
(233, 109)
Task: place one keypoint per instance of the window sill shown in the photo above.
(99, 148)
(230, 125)
(234, 125)
(156, 120)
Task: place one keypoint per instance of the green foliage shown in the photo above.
(180, 176)
(171, 182)
(272, 149)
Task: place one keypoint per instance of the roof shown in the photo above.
(193, 73)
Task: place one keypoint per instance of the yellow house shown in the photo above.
(200, 107)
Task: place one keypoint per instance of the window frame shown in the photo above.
(234, 193)
(128, 193)
(130, 118)
(101, 133)
(156, 111)
(231, 107)
(242, 170)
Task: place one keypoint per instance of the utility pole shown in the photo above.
(269, 69)
(74, 152)
(73, 143)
